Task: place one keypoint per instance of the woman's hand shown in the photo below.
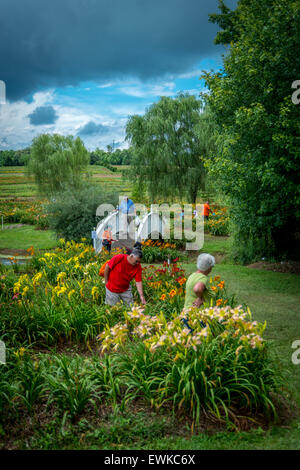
(198, 302)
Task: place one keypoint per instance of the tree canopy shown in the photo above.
(257, 163)
(170, 142)
(116, 157)
(14, 157)
(56, 162)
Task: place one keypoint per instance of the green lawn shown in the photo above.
(216, 245)
(277, 438)
(22, 238)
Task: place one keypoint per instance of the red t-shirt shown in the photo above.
(122, 272)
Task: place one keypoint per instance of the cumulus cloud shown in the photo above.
(91, 128)
(16, 130)
(59, 43)
(43, 115)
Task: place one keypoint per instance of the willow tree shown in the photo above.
(170, 143)
(57, 162)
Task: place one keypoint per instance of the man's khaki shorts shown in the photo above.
(113, 298)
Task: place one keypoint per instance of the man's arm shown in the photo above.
(199, 289)
(139, 286)
(106, 273)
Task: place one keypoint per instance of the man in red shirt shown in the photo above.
(118, 273)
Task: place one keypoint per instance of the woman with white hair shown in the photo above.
(196, 291)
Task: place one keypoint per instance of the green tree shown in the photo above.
(257, 164)
(168, 147)
(118, 157)
(57, 162)
(72, 213)
(14, 157)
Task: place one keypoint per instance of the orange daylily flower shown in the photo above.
(172, 293)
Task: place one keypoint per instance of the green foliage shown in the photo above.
(72, 386)
(57, 161)
(218, 222)
(72, 213)
(170, 143)
(154, 253)
(29, 386)
(257, 164)
(212, 379)
(139, 191)
(6, 377)
(14, 157)
(118, 157)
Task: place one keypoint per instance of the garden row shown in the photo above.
(212, 361)
(26, 212)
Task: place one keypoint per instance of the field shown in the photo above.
(14, 183)
(42, 336)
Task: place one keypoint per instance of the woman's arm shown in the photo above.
(199, 289)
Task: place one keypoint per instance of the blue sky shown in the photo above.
(82, 67)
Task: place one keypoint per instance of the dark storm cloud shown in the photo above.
(62, 42)
(43, 115)
(91, 128)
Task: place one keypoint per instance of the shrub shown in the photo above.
(72, 214)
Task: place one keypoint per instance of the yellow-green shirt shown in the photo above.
(190, 295)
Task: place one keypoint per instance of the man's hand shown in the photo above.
(139, 287)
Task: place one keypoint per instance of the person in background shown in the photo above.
(107, 238)
(127, 206)
(127, 211)
(118, 274)
(196, 291)
(206, 210)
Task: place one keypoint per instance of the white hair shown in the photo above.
(205, 262)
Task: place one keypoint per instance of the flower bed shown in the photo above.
(23, 212)
(155, 250)
(213, 359)
(218, 222)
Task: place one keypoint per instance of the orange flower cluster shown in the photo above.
(30, 250)
(158, 243)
